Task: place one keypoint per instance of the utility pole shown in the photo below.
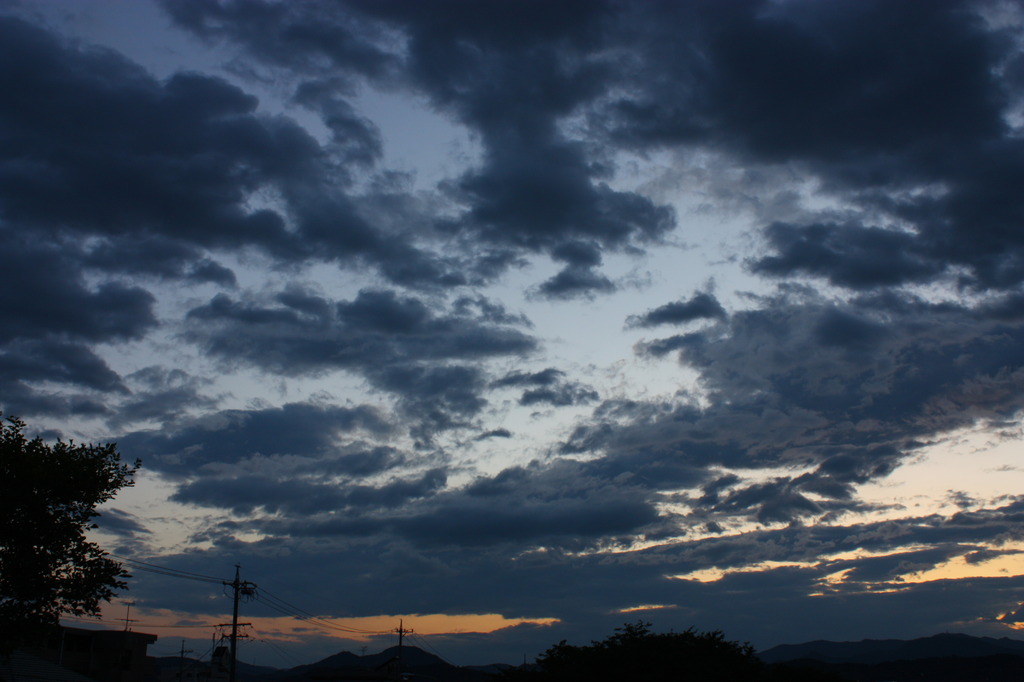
(128, 612)
(402, 632)
(124, 637)
(181, 662)
(238, 587)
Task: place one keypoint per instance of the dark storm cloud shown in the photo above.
(162, 257)
(838, 393)
(304, 496)
(129, 155)
(121, 523)
(156, 174)
(578, 277)
(494, 433)
(354, 139)
(574, 281)
(854, 257)
(399, 344)
(776, 501)
(535, 522)
(533, 198)
(294, 36)
(963, 227)
(57, 361)
(55, 301)
(661, 347)
(386, 574)
(547, 386)
(305, 333)
(437, 397)
(563, 504)
(489, 311)
(234, 436)
(701, 306)
(794, 81)
(510, 72)
(912, 132)
(560, 396)
(763, 83)
(545, 377)
(22, 399)
(161, 394)
(894, 116)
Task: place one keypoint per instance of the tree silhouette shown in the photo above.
(634, 652)
(48, 498)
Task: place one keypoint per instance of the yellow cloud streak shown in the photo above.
(167, 622)
(1002, 566)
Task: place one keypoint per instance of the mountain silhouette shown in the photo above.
(344, 665)
(412, 658)
(415, 663)
(872, 651)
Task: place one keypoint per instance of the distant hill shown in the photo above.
(411, 656)
(415, 663)
(345, 665)
(871, 651)
(939, 658)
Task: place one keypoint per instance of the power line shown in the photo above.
(140, 623)
(288, 609)
(283, 653)
(171, 572)
(268, 599)
(159, 627)
(437, 653)
(166, 568)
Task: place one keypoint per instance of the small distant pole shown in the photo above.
(128, 612)
(181, 662)
(124, 633)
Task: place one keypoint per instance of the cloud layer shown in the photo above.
(338, 366)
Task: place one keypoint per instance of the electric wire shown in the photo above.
(288, 609)
(276, 603)
(174, 575)
(165, 568)
(264, 596)
(424, 642)
(316, 622)
(84, 619)
(282, 652)
(135, 623)
(208, 652)
(172, 572)
(153, 626)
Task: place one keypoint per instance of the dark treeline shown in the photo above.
(634, 652)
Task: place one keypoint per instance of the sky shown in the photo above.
(518, 321)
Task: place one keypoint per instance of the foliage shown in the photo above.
(48, 498)
(634, 652)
